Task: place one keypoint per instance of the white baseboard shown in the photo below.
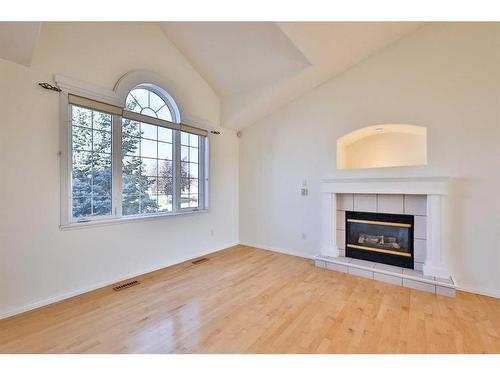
(484, 292)
(61, 297)
(278, 250)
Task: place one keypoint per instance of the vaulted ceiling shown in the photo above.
(237, 57)
(258, 67)
(254, 67)
(18, 41)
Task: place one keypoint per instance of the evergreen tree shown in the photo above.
(91, 163)
(136, 186)
(138, 191)
(92, 167)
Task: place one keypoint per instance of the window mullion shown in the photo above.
(116, 179)
(202, 177)
(177, 171)
(92, 155)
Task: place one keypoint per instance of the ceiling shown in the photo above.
(258, 67)
(254, 67)
(18, 41)
(262, 53)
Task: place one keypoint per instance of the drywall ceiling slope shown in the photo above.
(258, 67)
(18, 41)
(237, 57)
(332, 48)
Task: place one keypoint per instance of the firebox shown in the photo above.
(378, 237)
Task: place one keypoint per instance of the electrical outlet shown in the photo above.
(304, 235)
(212, 232)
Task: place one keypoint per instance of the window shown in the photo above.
(92, 163)
(190, 151)
(136, 161)
(145, 101)
(147, 169)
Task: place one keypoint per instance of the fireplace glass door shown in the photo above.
(383, 238)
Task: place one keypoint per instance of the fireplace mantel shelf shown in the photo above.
(387, 179)
(413, 185)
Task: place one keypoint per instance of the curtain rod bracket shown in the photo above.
(48, 86)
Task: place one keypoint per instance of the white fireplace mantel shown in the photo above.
(436, 190)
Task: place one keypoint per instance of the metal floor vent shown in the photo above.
(126, 285)
(201, 260)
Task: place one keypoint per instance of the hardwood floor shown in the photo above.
(246, 300)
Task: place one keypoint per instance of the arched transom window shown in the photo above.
(143, 99)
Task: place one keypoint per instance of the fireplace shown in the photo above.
(379, 237)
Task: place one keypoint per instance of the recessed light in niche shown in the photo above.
(380, 146)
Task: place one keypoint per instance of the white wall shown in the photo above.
(444, 77)
(386, 150)
(39, 262)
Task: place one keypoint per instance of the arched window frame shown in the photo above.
(164, 95)
(108, 101)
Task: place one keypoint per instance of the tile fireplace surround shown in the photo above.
(424, 198)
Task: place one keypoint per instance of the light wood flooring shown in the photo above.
(246, 300)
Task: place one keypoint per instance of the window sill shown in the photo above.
(124, 220)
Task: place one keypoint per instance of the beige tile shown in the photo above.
(446, 281)
(419, 285)
(341, 239)
(320, 263)
(345, 202)
(388, 267)
(443, 291)
(415, 204)
(418, 266)
(415, 273)
(365, 202)
(344, 259)
(359, 272)
(420, 228)
(390, 203)
(395, 280)
(337, 267)
(420, 250)
(340, 220)
(364, 263)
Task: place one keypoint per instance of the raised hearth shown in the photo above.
(388, 274)
(421, 200)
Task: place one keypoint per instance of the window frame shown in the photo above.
(66, 164)
(114, 187)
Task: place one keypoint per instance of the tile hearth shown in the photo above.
(389, 274)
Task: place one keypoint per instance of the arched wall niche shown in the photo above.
(381, 146)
